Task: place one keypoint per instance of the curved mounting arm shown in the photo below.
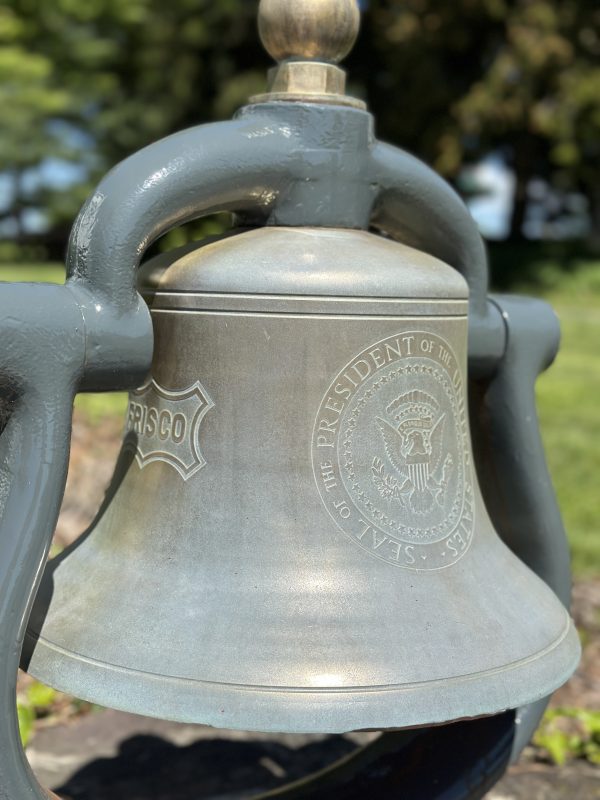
(511, 464)
(41, 361)
(512, 470)
(239, 165)
(420, 209)
(45, 358)
(226, 166)
(417, 207)
(35, 453)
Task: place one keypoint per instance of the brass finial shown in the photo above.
(324, 30)
(308, 38)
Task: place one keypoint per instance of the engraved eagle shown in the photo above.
(414, 447)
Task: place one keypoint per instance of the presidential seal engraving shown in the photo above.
(414, 448)
(164, 425)
(391, 455)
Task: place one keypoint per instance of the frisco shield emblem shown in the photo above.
(164, 425)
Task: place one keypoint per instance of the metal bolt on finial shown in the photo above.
(308, 38)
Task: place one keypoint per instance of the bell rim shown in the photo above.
(276, 709)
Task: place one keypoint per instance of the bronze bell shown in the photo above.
(295, 537)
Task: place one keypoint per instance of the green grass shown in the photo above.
(97, 406)
(568, 394)
(569, 409)
(44, 273)
(568, 733)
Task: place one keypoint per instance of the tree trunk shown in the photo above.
(523, 166)
(18, 206)
(519, 209)
(593, 195)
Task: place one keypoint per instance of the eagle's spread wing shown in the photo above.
(437, 435)
(393, 441)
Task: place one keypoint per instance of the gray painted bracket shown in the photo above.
(277, 164)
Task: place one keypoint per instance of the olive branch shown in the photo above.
(386, 484)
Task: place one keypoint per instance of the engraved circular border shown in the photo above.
(350, 519)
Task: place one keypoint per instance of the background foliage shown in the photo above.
(90, 82)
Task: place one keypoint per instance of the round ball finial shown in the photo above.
(323, 30)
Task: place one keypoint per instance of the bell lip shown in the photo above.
(306, 710)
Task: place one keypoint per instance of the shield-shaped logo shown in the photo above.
(165, 426)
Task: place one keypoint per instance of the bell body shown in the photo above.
(295, 539)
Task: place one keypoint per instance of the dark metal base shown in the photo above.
(453, 762)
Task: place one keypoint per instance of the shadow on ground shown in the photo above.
(148, 767)
(120, 756)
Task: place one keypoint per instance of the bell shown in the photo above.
(295, 538)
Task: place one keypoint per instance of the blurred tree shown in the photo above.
(95, 80)
(90, 81)
(540, 95)
(30, 96)
(471, 76)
